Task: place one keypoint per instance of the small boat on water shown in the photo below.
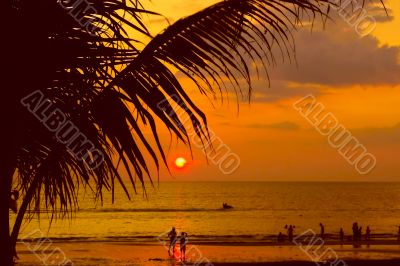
(226, 206)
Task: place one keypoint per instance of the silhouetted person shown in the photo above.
(182, 245)
(368, 234)
(341, 235)
(290, 233)
(355, 231)
(172, 241)
(322, 230)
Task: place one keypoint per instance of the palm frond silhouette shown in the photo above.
(82, 58)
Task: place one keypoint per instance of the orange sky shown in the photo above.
(357, 79)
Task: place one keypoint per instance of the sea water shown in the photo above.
(261, 210)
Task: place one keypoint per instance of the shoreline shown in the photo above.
(241, 242)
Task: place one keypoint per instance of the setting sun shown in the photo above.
(180, 162)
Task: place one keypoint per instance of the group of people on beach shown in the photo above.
(173, 239)
(290, 233)
(357, 233)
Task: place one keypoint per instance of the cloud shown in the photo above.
(287, 125)
(373, 8)
(281, 89)
(338, 57)
(380, 15)
(332, 57)
(379, 12)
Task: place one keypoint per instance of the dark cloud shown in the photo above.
(380, 14)
(332, 57)
(279, 90)
(337, 56)
(372, 8)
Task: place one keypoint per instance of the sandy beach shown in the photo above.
(150, 253)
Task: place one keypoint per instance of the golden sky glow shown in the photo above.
(386, 32)
(357, 79)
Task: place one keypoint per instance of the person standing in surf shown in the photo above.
(182, 245)
(322, 234)
(172, 235)
(290, 232)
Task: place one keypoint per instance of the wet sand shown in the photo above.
(152, 254)
(302, 263)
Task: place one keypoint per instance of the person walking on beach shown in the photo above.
(182, 245)
(368, 234)
(290, 233)
(172, 235)
(322, 230)
(355, 231)
(341, 235)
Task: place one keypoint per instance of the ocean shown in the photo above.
(261, 210)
